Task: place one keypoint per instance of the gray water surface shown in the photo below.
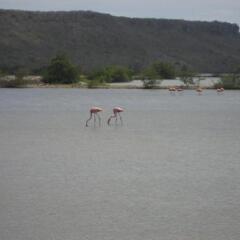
(171, 172)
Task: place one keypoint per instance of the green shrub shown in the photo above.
(231, 81)
(94, 84)
(186, 75)
(150, 73)
(165, 70)
(160, 70)
(61, 70)
(118, 74)
(17, 81)
(149, 83)
(112, 74)
(149, 78)
(13, 83)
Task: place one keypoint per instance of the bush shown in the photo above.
(186, 75)
(112, 74)
(118, 74)
(150, 73)
(149, 78)
(13, 83)
(149, 83)
(231, 81)
(98, 75)
(95, 84)
(61, 70)
(160, 70)
(17, 81)
(165, 70)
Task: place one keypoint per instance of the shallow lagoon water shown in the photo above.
(171, 172)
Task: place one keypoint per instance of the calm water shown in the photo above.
(171, 172)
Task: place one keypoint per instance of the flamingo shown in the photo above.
(199, 90)
(93, 112)
(180, 89)
(220, 90)
(172, 90)
(116, 113)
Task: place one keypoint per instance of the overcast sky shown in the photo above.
(221, 10)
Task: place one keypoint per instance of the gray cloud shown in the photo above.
(209, 10)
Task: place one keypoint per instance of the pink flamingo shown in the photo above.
(116, 113)
(179, 89)
(199, 90)
(93, 112)
(172, 90)
(220, 90)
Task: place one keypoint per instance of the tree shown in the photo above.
(149, 78)
(61, 70)
(150, 73)
(117, 74)
(164, 70)
(112, 74)
(186, 75)
(160, 70)
(230, 81)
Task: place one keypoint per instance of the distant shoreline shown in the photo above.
(36, 82)
(76, 86)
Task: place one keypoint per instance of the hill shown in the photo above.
(93, 40)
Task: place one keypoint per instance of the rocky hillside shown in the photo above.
(93, 40)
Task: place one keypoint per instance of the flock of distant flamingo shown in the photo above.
(94, 111)
(199, 90)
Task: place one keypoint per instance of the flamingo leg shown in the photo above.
(89, 119)
(116, 118)
(94, 117)
(109, 120)
(120, 118)
(99, 119)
